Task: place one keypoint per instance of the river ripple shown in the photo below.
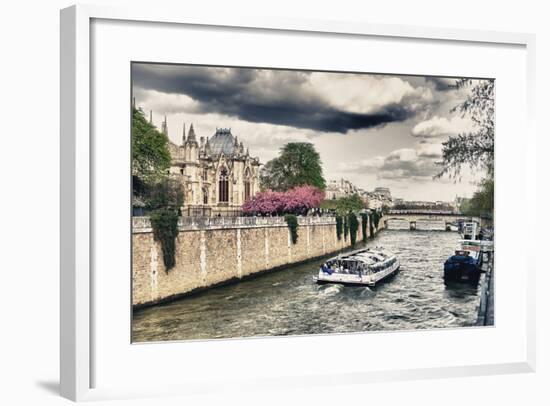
(289, 302)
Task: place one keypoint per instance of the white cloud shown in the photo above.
(406, 164)
(366, 164)
(165, 103)
(429, 150)
(403, 154)
(440, 127)
(367, 93)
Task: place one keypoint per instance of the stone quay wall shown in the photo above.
(218, 250)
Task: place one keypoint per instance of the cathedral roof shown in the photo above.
(192, 136)
(223, 142)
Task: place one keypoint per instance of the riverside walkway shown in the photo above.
(486, 313)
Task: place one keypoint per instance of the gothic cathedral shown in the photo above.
(217, 174)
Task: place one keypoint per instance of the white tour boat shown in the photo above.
(366, 266)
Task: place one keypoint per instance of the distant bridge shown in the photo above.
(423, 219)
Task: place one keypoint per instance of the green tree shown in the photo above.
(165, 193)
(344, 205)
(474, 149)
(152, 184)
(150, 154)
(298, 164)
(482, 202)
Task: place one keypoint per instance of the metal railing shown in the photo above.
(143, 224)
(425, 211)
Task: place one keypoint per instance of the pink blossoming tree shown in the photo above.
(296, 201)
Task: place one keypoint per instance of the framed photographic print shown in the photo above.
(248, 198)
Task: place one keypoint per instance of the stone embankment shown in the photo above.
(219, 250)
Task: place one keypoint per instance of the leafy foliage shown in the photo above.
(166, 193)
(353, 227)
(371, 225)
(150, 155)
(344, 204)
(474, 149)
(165, 229)
(295, 201)
(375, 217)
(482, 202)
(346, 227)
(339, 227)
(151, 183)
(364, 221)
(292, 223)
(298, 164)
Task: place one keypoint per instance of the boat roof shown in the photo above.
(368, 256)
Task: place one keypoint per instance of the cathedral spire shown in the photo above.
(183, 137)
(192, 136)
(165, 126)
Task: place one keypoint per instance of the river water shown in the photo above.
(288, 302)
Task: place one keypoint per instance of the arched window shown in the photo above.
(204, 195)
(223, 186)
(247, 191)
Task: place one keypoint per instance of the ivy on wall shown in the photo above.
(292, 223)
(353, 226)
(371, 225)
(376, 216)
(346, 227)
(339, 227)
(364, 220)
(165, 230)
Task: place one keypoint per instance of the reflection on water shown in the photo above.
(289, 302)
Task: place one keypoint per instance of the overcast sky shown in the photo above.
(375, 130)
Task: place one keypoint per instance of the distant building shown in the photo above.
(217, 174)
(384, 191)
(381, 196)
(340, 188)
(423, 205)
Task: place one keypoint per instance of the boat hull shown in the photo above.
(456, 270)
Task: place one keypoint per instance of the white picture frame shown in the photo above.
(77, 282)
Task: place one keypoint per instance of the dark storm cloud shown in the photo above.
(262, 96)
(442, 84)
(421, 168)
(404, 164)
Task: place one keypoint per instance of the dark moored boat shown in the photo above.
(465, 265)
(462, 267)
